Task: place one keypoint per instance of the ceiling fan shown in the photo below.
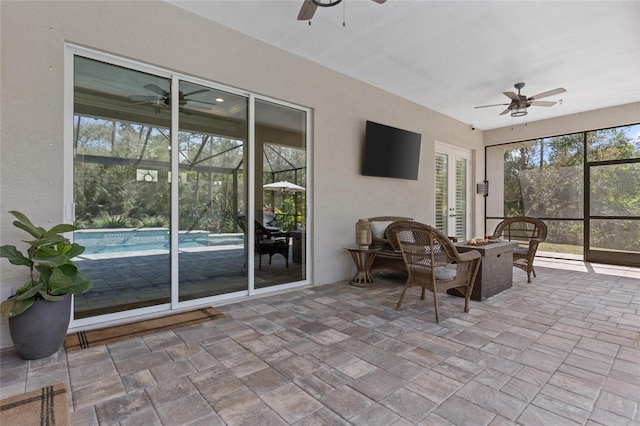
(520, 103)
(163, 97)
(309, 7)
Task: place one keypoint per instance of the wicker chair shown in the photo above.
(433, 263)
(267, 242)
(529, 232)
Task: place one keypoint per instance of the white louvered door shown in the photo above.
(452, 179)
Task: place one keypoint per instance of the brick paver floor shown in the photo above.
(563, 350)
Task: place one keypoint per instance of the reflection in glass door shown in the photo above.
(161, 189)
(280, 231)
(614, 212)
(121, 188)
(452, 191)
(211, 190)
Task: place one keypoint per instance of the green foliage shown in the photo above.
(545, 178)
(211, 177)
(227, 226)
(115, 221)
(193, 216)
(52, 273)
(155, 222)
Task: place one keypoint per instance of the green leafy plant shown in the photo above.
(155, 222)
(52, 274)
(114, 221)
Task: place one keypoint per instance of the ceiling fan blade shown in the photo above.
(548, 93)
(201, 102)
(155, 89)
(307, 10)
(506, 110)
(511, 95)
(486, 106)
(144, 98)
(196, 92)
(138, 103)
(543, 103)
(379, 1)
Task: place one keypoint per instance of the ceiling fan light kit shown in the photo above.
(519, 111)
(327, 3)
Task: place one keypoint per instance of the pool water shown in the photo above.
(97, 241)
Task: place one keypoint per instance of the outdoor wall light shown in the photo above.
(483, 188)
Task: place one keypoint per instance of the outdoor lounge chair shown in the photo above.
(434, 264)
(529, 232)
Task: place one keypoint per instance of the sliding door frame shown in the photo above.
(71, 51)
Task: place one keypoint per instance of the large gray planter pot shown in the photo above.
(40, 330)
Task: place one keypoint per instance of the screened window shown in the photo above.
(585, 186)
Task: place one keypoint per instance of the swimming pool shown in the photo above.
(97, 241)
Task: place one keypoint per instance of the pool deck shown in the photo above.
(128, 280)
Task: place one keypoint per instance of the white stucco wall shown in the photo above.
(32, 116)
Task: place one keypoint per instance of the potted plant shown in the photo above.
(40, 310)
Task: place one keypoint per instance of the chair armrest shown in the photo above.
(469, 256)
(281, 235)
(534, 242)
(533, 245)
(379, 240)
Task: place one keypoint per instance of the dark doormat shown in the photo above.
(106, 335)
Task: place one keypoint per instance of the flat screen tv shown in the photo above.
(391, 152)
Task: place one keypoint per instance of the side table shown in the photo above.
(298, 245)
(363, 259)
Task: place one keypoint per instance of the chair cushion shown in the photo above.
(378, 228)
(446, 272)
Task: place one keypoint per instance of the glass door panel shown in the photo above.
(280, 195)
(211, 191)
(121, 192)
(462, 189)
(614, 213)
(442, 192)
(452, 191)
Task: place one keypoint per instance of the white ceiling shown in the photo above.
(451, 56)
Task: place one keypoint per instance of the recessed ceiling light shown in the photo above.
(219, 100)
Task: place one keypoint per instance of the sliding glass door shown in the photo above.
(121, 188)
(162, 187)
(211, 188)
(281, 186)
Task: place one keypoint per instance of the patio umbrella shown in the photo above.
(283, 187)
